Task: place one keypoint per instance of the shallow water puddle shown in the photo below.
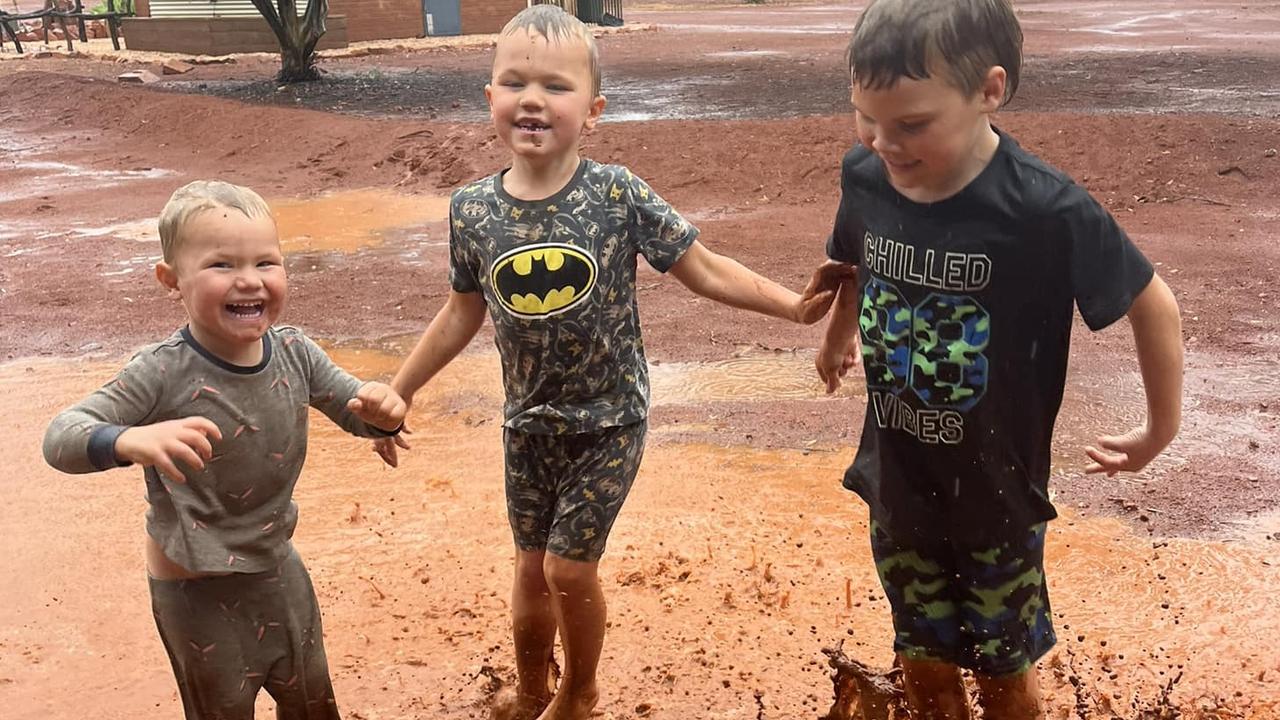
(753, 376)
(349, 221)
(1131, 611)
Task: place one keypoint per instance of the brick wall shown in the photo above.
(216, 36)
(379, 19)
(488, 16)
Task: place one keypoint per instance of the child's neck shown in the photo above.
(239, 354)
(537, 180)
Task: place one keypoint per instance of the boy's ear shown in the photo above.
(993, 88)
(594, 112)
(168, 278)
(488, 98)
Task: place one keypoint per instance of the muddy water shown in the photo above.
(728, 571)
(349, 221)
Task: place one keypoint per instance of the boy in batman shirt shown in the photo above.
(548, 248)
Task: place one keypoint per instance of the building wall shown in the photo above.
(216, 36)
(488, 16)
(364, 19)
(379, 19)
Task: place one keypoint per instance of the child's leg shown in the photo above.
(1010, 697)
(593, 473)
(917, 581)
(531, 505)
(203, 649)
(1008, 618)
(534, 629)
(935, 690)
(299, 678)
(580, 614)
(229, 635)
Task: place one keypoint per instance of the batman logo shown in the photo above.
(536, 281)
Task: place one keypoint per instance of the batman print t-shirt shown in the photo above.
(965, 315)
(559, 278)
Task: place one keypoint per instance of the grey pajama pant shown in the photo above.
(231, 635)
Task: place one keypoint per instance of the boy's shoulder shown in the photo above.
(176, 343)
(475, 188)
(291, 341)
(860, 161)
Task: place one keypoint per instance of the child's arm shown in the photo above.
(839, 350)
(446, 336)
(109, 429)
(727, 281)
(1157, 333)
(449, 332)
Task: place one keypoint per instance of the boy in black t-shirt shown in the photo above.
(970, 254)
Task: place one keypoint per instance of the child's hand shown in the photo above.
(834, 364)
(818, 295)
(386, 447)
(378, 405)
(163, 444)
(1129, 452)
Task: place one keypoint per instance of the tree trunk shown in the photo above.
(297, 36)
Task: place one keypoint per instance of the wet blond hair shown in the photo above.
(196, 197)
(556, 25)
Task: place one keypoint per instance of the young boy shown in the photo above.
(217, 416)
(970, 252)
(548, 247)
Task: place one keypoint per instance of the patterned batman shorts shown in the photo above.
(983, 608)
(565, 491)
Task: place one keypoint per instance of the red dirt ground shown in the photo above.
(415, 601)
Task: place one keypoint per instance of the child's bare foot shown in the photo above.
(511, 705)
(571, 706)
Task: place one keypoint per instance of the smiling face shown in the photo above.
(542, 96)
(229, 274)
(932, 138)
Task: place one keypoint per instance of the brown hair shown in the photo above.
(961, 40)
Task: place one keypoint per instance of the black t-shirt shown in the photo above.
(965, 321)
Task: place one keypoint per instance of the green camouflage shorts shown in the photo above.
(983, 608)
(565, 491)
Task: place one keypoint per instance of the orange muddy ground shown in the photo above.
(737, 557)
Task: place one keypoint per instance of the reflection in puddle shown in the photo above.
(352, 220)
(763, 376)
(43, 178)
(753, 377)
(146, 230)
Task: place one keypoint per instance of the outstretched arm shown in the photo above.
(446, 336)
(1157, 333)
(727, 281)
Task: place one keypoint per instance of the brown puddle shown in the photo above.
(348, 221)
(729, 570)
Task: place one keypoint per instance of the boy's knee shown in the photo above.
(569, 575)
(529, 568)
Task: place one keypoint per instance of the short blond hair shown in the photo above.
(196, 197)
(556, 25)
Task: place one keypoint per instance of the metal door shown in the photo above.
(442, 17)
